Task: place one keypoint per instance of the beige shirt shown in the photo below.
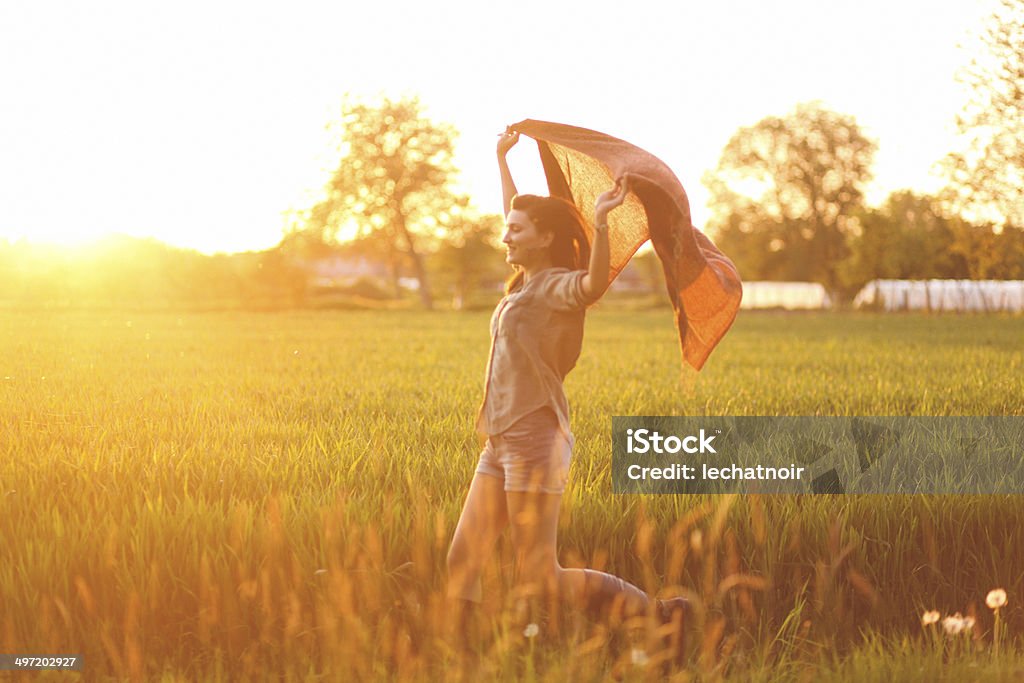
(536, 336)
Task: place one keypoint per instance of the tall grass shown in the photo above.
(271, 495)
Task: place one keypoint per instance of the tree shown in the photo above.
(392, 182)
(785, 193)
(470, 255)
(908, 237)
(990, 254)
(987, 173)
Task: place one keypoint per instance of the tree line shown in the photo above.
(787, 203)
(123, 271)
(787, 196)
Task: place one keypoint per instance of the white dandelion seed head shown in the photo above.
(531, 630)
(996, 598)
(953, 624)
(639, 657)
(929, 618)
(968, 623)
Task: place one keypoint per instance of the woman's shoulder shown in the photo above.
(562, 289)
(548, 279)
(556, 271)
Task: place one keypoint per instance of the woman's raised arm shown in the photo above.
(595, 282)
(508, 188)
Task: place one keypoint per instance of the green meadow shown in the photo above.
(233, 495)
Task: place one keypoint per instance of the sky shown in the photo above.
(203, 124)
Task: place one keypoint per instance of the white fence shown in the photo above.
(942, 295)
(789, 295)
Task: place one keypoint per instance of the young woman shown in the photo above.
(536, 335)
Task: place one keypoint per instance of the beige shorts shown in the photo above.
(531, 455)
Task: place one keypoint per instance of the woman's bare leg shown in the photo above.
(484, 517)
(533, 519)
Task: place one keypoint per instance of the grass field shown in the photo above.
(241, 495)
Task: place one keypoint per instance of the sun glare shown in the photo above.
(64, 237)
(214, 143)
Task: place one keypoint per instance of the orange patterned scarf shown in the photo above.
(702, 282)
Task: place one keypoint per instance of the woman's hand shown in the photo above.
(595, 282)
(507, 141)
(611, 199)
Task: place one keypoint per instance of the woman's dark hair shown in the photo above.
(569, 248)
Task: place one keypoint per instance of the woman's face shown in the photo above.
(526, 244)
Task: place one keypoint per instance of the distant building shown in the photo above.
(942, 295)
(337, 270)
(631, 279)
(787, 295)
